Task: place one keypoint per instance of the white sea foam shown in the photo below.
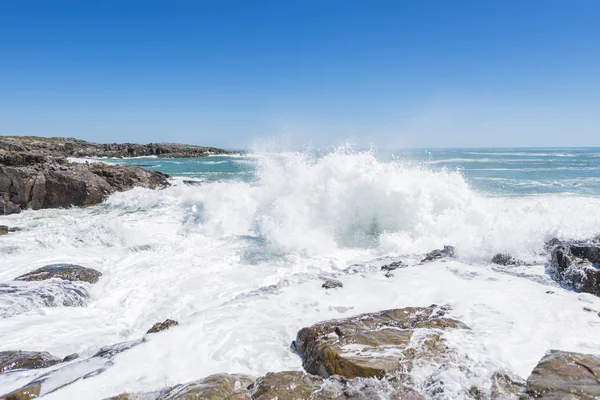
(238, 264)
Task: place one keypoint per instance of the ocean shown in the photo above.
(237, 248)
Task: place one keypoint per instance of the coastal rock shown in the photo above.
(3, 230)
(69, 147)
(61, 184)
(332, 284)
(563, 375)
(576, 265)
(291, 385)
(10, 360)
(505, 259)
(68, 272)
(25, 393)
(393, 266)
(19, 297)
(446, 252)
(162, 326)
(376, 344)
(214, 387)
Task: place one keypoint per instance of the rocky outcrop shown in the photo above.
(377, 344)
(67, 272)
(576, 265)
(563, 375)
(50, 183)
(68, 147)
(162, 326)
(446, 252)
(10, 360)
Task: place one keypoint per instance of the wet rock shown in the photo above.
(446, 252)
(505, 259)
(71, 357)
(68, 272)
(576, 267)
(193, 183)
(506, 386)
(161, 326)
(54, 184)
(18, 297)
(214, 387)
(24, 393)
(331, 284)
(3, 230)
(377, 344)
(10, 360)
(292, 385)
(563, 375)
(393, 266)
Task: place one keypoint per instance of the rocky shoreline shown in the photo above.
(366, 356)
(35, 173)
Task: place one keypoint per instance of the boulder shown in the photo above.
(3, 230)
(446, 252)
(576, 267)
(331, 284)
(55, 184)
(214, 387)
(291, 385)
(376, 344)
(505, 259)
(68, 272)
(162, 326)
(10, 360)
(564, 375)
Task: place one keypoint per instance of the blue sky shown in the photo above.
(228, 73)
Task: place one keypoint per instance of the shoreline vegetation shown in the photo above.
(36, 174)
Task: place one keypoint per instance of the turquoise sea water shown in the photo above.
(498, 171)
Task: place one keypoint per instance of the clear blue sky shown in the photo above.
(226, 73)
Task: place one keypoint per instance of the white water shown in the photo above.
(239, 266)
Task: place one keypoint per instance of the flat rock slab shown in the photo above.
(68, 272)
(563, 375)
(376, 344)
(10, 360)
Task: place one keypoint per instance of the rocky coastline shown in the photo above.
(35, 172)
(366, 356)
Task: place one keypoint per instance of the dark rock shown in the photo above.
(10, 360)
(393, 266)
(552, 243)
(446, 252)
(71, 357)
(389, 275)
(54, 185)
(161, 326)
(506, 386)
(331, 284)
(192, 183)
(549, 292)
(505, 259)
(3, 230)
(572, 266)
(368, 345)
(563, 375)
(68, 272)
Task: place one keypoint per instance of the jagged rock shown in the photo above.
(61, 184)
(10, 360)
(161, 326)
(68, 272)
(564, 375)
(377, 344)
(446, 252)
(25, 393)
(506, 386)
(393, 266)
(574, 266)
(214, 387)
(505, 259)
(331, 284)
